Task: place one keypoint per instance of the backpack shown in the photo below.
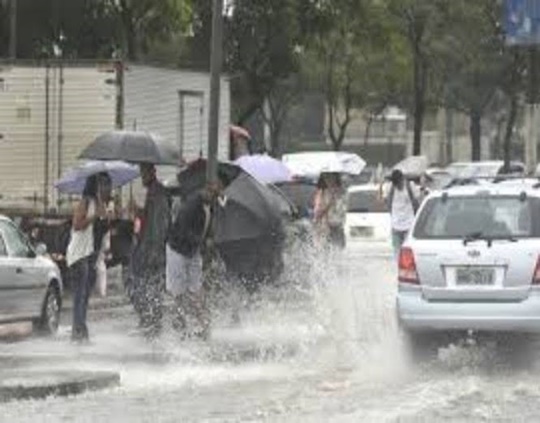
(414, 201)
(187, 231)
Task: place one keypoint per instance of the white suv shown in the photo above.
(471, 262)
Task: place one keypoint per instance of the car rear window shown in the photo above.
(488, 216)
(365, 202)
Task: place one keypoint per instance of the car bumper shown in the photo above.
(417, 314)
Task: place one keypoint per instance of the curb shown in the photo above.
(39, 385)
(214, 352)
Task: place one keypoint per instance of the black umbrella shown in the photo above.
(249, 211)
(133, 147)
(287, 208)
(248, 228)
(301, 194)
(193, 177)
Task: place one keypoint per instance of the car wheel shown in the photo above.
(50, 314)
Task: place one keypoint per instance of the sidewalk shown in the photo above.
(19, 385)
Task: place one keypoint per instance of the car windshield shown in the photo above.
(365, 202)
(17, 244)
(484, 216)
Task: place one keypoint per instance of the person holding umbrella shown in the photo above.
(148, 259)
(331, 209)
(147, 268)
(81, 251)
(187, 235)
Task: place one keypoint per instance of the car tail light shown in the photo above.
(536, 274)
(407, 267)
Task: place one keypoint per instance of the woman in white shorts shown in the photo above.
(184, 269)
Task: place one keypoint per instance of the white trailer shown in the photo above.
(50, 112)
(175, 105)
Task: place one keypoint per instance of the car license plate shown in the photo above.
(362, 231)
(475, 276)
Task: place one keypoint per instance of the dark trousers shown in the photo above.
(336, 236)
(146, 294)
(82, 275)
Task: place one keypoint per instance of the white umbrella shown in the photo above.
(264, 168)
(312, 164)
(413, 166)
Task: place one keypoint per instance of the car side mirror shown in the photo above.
(41, 249)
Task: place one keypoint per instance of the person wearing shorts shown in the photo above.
(184, 263)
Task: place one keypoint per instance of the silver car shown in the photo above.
(30, 284)
(471, 262)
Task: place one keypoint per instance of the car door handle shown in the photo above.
(19, 271)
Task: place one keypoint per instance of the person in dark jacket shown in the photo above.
(184, 270)
(147, 267)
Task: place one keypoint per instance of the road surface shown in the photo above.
(327, 352)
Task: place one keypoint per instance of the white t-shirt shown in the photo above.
(402, 211)
(81, 244)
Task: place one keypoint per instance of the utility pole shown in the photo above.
(13, 29)
(216, 60)
(531, 142)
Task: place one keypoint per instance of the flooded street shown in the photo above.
(331, 354)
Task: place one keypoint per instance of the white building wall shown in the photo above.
(22, 123)
(79, 110)
(153, 98)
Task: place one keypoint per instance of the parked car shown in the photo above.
(368, 218)
(472, 262)
(30, 282)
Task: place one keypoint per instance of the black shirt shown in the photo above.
(187, 229)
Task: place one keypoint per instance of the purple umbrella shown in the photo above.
(74, 179)
(265, 168)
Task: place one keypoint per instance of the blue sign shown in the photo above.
(522, 22)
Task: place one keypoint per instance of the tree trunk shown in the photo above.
(367, 132)
(509, 130)
(420, 76)
(130, 36)
(476, 135)
(275, 140)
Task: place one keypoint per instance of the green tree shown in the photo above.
(76, 28)
(143, 22)
(261, 40)
(356, 58)
(473, 61)
(421, 23)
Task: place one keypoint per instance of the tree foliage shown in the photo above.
(96, 28)
(355, 58)
(362, 54)
(261, 42)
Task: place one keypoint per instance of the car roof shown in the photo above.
(482, 163)
(495, 189)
